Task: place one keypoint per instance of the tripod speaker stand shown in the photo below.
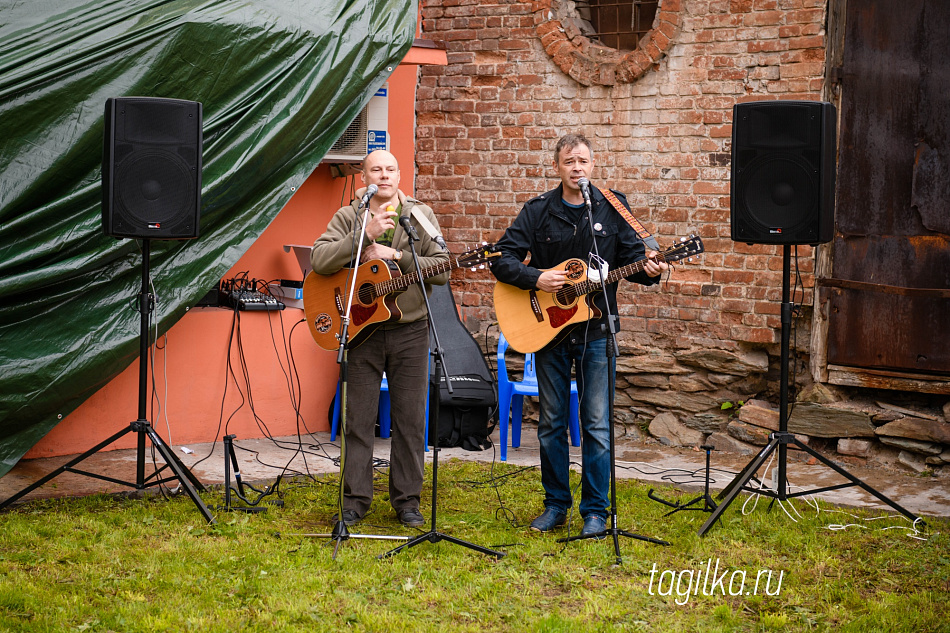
(782, 438)
(141, 427)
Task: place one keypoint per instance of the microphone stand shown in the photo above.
(438, 361)
(612, 352)
(340, 532)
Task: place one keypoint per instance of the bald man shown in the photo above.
(401, 348)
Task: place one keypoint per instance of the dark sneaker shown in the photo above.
(549, 519)
(411, 517)
(350, 518)
(594, 524)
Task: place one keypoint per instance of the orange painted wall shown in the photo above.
(193, 366)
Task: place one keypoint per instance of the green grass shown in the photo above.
(107, 563)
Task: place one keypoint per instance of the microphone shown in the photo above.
(584, 184)
(370, 192)
(407, 226)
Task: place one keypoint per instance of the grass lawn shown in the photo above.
(107, 563)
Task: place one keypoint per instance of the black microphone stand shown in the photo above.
(438, 362)
(340, 532)
(612, 352)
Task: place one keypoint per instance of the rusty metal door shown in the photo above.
(888, 295)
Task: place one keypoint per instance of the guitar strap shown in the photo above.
(641, 231)
(424, 222)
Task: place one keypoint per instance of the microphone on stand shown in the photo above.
(407, 226)
(584, 184)
(370, 192)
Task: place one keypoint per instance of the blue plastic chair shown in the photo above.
(511, 400)
(385, 418)
(385, 421)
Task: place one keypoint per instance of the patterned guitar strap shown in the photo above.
(641, 231)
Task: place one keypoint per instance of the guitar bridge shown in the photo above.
(338, 300)
(536, 307)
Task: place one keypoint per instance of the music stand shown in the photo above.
(782, 438)
(438, 360)
(141, 427)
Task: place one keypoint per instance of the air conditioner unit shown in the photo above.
(369, 131)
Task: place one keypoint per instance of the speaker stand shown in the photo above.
(782, 438)
(141, 427)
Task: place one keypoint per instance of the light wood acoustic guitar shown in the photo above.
(530, 319)
(378, 282)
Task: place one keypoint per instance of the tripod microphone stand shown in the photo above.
(782, 438)
(141, 427)
(612, 350)
(438, 361)
(708, 504)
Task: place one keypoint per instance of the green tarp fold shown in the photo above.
(279, 81)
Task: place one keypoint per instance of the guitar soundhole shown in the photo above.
(366, 295)
(574, 270)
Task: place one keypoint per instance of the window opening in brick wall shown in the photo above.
(618, 24)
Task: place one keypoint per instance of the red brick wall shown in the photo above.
(487, 124)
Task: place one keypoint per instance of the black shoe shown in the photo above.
(350, 518)
(549, 520)
(411, 517)
(594, 524)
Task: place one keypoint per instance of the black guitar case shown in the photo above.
(468, 415)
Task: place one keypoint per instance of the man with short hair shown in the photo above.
(400, 349)
(554, 227)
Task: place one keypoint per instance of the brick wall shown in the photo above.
(487, 124)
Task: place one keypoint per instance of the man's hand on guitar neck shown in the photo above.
(653, 266)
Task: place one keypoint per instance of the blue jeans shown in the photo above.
(554, 386)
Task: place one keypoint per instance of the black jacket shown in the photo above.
(544, 229)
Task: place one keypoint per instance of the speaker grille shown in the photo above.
(779, 191)
(154, 189)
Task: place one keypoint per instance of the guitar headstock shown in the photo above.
(686, 248)
(477, 256)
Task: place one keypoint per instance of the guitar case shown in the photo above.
(468, 415)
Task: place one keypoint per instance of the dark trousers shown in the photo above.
(403, 353)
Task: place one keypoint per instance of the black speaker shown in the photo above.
(151, 168)
(783, 172)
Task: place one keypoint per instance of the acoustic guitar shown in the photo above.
(530, 319)
(378, 282)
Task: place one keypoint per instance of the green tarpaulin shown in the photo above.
(279, 81)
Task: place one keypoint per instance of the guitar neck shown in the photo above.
(404, 281)
(615, 275)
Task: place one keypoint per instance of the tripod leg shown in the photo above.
(183, 474)
(735, 486)
(854, 480)
(68, 466)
